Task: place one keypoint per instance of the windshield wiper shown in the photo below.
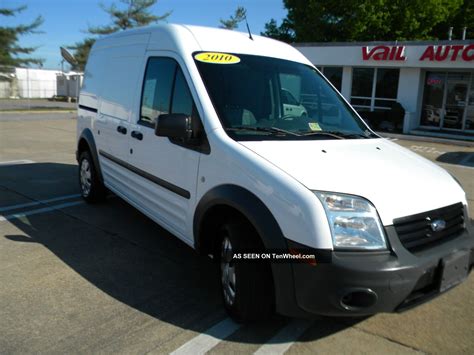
(273, 130)
(322, 133)
(336, 134)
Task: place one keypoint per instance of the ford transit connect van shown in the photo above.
(239, 147)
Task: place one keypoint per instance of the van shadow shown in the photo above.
(457, 158)
(130, 258)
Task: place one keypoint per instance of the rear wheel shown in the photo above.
(246, 286)
(92, 190)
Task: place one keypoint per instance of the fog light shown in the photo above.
(358, 299)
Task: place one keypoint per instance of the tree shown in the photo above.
(135, 13)
(284, 32)
(11, 53)
(463, 17)
(364, 20)
(81, 53)
(233, 22)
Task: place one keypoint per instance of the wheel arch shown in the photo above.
(86, 141)
(225, 199)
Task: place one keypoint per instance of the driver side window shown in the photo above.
(164, 91)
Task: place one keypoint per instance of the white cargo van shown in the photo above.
(240, 148)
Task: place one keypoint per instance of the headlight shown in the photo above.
(353, 221)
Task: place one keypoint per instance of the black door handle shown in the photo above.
(137, 135)
(122, 129)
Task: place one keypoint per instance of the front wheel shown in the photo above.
(246, 286)
(92, 189)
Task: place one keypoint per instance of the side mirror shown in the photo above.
(174, 126)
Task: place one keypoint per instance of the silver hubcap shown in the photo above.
(228, 271)
(85, 175)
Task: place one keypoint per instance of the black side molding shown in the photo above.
(87, 108)
(163, 183)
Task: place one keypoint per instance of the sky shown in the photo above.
(65, 21)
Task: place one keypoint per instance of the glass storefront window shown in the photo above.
(362, 82)
(387, 83)
(455, 104)
(448, 100)
(334, 75)
(374, 89)
(469, 125)
(433, 99)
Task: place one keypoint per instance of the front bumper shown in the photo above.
(365, 283)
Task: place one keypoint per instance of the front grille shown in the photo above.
(415, 231)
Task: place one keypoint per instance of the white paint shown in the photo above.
(285, 338)
(375, 169)
(15, 162)
(39, 202)
(39, 211)
(207, 340)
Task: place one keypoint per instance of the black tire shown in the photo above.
(253, 289)
(92, 189)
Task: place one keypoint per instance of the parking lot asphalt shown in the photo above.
(77, 278)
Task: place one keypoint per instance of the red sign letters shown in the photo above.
(432, 53)
(441, 53)
(384, 53)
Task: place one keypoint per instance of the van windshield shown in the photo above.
(263, 98)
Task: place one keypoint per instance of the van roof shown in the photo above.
(186, 39)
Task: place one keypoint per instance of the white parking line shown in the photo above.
(285, 338)
(207, 340)
(15, 162)
(39, 202)
(426, 149)
(40, 210)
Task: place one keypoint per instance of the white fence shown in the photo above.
(28, 83)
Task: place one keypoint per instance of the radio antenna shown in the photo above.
(248, 28)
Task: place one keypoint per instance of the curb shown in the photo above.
(429, 139)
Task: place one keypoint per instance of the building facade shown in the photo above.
(433, 81)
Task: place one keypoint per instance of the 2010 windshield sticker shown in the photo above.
(217, 58)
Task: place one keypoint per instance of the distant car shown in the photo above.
(432, 114)
(291, 106)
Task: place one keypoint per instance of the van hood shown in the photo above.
(397, 181)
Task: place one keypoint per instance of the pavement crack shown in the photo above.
(362, 330)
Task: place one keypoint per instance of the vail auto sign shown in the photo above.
(442, 53)
(384, 53)
(432, 53)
